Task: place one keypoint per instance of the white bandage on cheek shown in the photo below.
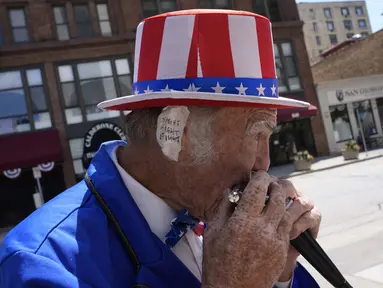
(170, 129)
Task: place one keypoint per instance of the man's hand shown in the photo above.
(310, 220)
(249, 247)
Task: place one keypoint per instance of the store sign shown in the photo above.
(355, 94)
(98, 134)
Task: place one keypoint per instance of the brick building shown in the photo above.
(329, 23)
(350, 91)
(59, 58)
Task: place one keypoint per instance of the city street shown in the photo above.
(351, 201)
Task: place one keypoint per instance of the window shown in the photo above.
(83, 20)
(153, 7)
(287, 74)
(330, 26)
(23, 105)
(364, 34)
(327, 13)
(344, 11)
(315, 26)
(259, 6)
(1, 36)
(359, 10)
(150, 8)
(317, 38)
(347, 24)
(312, 13)
(61, 22)
(341, 123)
(103, 19)
(77, 149)
(333, 39)
(167, 5)
(218, 4)
(84, 85)
(362, 23)
(269, 8)
(274, 12)
(364, 111)
(349, 35)
(18, 22)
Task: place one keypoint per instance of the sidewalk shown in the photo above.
(323, 163)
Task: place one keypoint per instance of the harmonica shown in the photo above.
(236, 192)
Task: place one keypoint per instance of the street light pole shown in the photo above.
(361, 131)
(37, 176)
(40, 190)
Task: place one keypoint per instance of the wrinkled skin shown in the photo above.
(249, 248)
(251, 245)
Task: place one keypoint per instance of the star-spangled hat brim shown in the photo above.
(180, 98)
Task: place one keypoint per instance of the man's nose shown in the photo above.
(262, 162)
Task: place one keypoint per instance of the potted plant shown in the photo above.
(351, 150)
(303, 160)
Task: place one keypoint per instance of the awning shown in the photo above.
(29, 149)
(288, 114)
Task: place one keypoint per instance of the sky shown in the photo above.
(375, 11)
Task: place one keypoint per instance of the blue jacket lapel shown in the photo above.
(157, 263)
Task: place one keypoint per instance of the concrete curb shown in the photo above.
(330, 167)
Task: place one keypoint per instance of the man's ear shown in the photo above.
(170, 132)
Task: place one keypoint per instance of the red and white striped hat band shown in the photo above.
(204, 57)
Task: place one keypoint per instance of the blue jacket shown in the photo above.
(95, 237)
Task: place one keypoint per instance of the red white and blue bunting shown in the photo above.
(46, 167)
(12, 173)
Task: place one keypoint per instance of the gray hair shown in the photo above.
(201, 142)
(141, 125)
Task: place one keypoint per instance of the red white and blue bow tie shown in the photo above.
(181, 225)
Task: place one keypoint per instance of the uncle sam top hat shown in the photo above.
(204, 58)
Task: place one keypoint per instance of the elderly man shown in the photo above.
(203, 111)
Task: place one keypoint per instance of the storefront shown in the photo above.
(82, 85)
(292, 134)
(23, 190)
(349, 104)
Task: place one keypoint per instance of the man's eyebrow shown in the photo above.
(261, 124)
(270, 125)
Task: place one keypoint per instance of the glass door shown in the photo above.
(363, 110)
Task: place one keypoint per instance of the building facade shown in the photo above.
(59, 58)
(350, 91)
(328, 23)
